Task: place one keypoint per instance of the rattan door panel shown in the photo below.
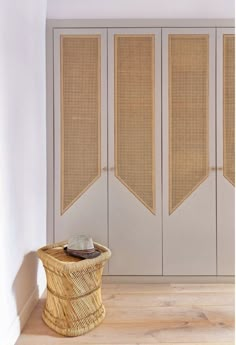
(188, 68)
(134, 140)
(80, 117)
(225, 151)
(189, 226)
(80, 59)
(229, 107)
(134, 115)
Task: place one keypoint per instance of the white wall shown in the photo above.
(140, 9)
(22, 160)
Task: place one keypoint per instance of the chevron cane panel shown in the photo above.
(229, 108)
(188, 115)
(134, 115)
(80, 115)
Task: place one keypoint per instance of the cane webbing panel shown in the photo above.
(229, 108)
(80, 115)
(188, 115)
(134, 115)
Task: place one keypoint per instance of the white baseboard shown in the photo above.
(21, 319)
(169, 279)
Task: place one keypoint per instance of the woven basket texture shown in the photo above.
(73, 304)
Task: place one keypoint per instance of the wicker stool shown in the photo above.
(74, 304)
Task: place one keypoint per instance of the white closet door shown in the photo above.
(80, 120)
(189, 176)
(225, 150)
(134, 136)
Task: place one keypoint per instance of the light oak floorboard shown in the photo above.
(142, 314)
(166, 288)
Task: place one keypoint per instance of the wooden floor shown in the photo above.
(151, 314)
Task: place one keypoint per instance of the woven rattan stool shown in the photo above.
(74, 304)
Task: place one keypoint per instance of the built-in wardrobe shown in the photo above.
(141, 142)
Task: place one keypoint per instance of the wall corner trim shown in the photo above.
(18, 324)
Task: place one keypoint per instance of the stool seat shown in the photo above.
(73, 304)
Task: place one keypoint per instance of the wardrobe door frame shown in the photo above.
(98, 230)
(225, 190)
(55, 24)
(176, 223)
(136, 238)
